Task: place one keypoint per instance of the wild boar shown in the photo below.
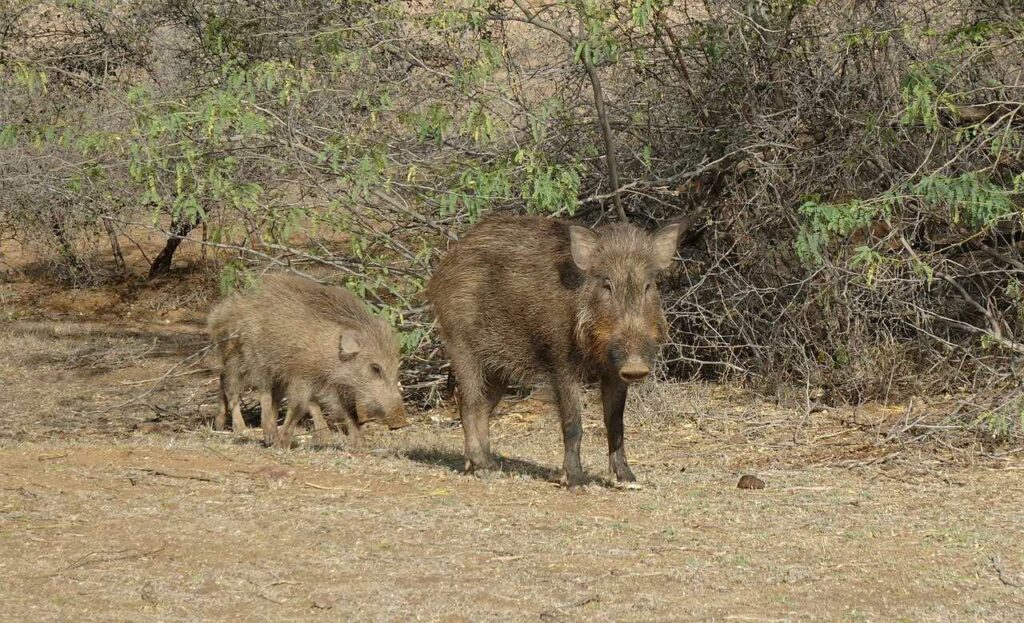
(316, 345)
(528, 298)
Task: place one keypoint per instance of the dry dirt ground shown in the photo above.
(139, 511)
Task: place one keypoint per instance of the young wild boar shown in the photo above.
(314, 344)
(521, 298)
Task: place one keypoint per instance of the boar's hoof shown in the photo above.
(622, 472)
(481, 466)
(573, 480)
(322, 437)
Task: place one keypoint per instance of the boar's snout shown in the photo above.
(369, 411)
(396, 418)
(631, 357)
(634, 370)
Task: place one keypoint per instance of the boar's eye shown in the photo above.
(607, 285)
(648, 288)
(376, 369)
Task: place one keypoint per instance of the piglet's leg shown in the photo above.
(321, 431)
(299, 397)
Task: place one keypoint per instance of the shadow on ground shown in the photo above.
(506, 465)
(456, 463)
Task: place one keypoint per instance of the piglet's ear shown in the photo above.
(348, 346)
(583, 243)
(663, 245)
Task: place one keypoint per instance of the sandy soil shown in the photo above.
(138, 511)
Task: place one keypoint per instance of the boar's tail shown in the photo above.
(218, 321)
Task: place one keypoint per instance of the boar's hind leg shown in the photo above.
(221, 420)
(231, 399)
(494, 389)
(270, 403)
(299, 397)
(477, 398)
(613, 399)
(568, 393)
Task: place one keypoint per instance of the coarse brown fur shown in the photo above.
(528, 298)
(316, 344)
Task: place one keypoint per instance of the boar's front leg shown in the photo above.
(352, 431)
(321, 431)
(613, 399)
(568, 394)
(299, 396)
(342, 408)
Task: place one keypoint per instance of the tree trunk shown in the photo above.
(179, 231)
(115, 246)
(64, 244)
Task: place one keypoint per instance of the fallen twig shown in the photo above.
(556, 613)
(182, 475)
(165, 377)
(90, 559)
(157, 382)
(323, 488)
(261, 595)
(53, 458)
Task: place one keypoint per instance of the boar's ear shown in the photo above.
(663, 245)
(348, 346)
(583, 243)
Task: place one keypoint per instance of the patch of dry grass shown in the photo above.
(197, 526)
(863, 517)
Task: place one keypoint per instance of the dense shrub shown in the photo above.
(853, 169)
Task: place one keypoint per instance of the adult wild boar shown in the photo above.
(316, 345)
(525, 298)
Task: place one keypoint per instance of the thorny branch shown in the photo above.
(599, 101)
(774, 125)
